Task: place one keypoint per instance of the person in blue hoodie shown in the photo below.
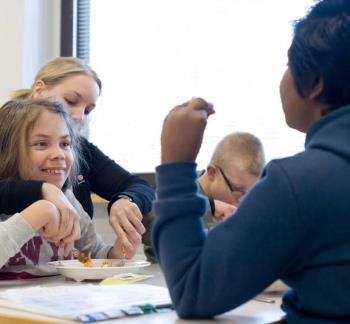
(294, 224)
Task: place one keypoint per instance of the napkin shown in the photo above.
(124, 279)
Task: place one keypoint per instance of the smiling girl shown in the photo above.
(77, 86)
(38, 142)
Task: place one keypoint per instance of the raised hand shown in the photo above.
(183, 130)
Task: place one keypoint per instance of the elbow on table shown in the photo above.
(190, 302)
(200, 306)
(193, 314)
(187, 310)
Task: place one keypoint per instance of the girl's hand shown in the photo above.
(69, 228)
(45, 218)
(40, 214)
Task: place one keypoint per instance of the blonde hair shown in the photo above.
(17, 119)
(244, 150)
(56, 71)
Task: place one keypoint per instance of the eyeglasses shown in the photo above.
(231, 186)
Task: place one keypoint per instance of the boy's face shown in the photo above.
(49, 157)
(230, 184)
(300, 112)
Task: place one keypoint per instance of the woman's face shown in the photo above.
(300, 112)
(49, 156)
(78, 94)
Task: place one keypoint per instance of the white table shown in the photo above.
(251, 312)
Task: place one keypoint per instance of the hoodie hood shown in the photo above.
(331, 133)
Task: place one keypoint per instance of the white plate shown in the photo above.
(76, 270)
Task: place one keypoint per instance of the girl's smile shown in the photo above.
(47, 156)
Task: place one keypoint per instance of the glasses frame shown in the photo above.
(231, 186)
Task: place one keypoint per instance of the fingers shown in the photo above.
(67, 213)
(121, 252)
(66, 222)
(125, 219)
(126, 233)
(198, 104)
(67, 248)
(130, 251)
(135, 217)
(201, 104)
(42, 232)
(75, 234)
(51, 232)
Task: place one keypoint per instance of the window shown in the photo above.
(152, 55)
(75, 28)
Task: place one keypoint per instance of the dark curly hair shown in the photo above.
(320, 51)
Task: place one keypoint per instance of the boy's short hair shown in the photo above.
(244, 150)
(17, 119)
(320, 52)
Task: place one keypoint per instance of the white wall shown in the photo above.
(29, 36)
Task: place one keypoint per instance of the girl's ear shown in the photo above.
(38, 87)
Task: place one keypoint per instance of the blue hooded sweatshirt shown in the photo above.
(293, 225)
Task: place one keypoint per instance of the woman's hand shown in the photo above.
(125, 218)
(120, 252)
(183, 130)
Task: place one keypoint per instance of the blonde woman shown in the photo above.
(77, 86)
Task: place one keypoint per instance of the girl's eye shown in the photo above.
(66, 145)
(88, 110)
(39, 144)
(71, 102)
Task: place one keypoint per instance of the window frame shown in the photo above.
(75, 28)
(75, 41)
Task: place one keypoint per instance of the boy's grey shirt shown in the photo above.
(25, 254)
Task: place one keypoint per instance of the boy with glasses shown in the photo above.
(234, 167)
